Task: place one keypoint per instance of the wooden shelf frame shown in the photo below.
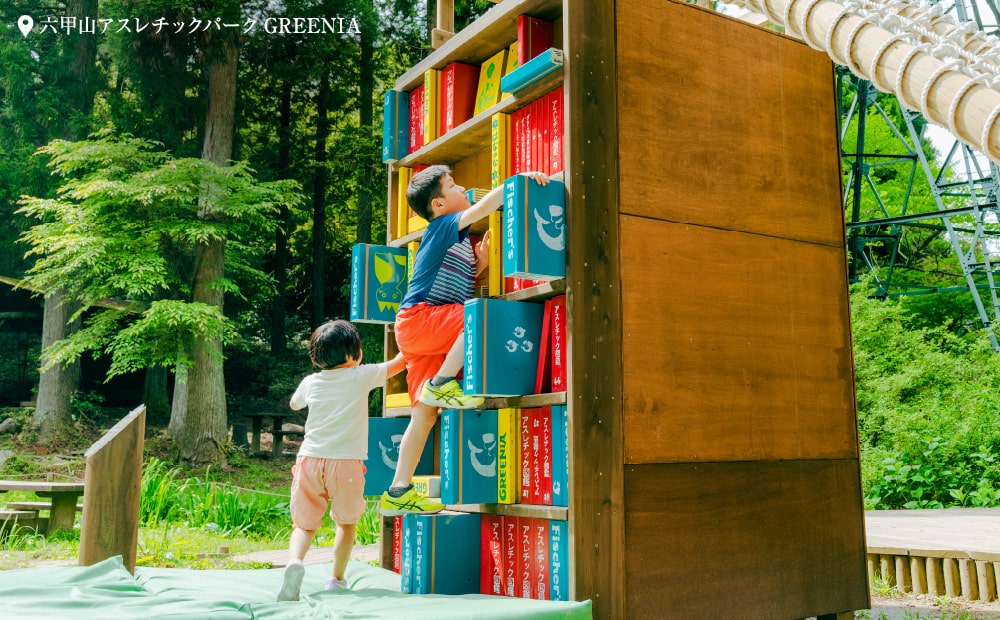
(473, 135)
(495, 30)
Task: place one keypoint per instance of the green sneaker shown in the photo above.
(448, 396)
(409, 502)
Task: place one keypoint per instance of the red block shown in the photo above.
(534, 36)
(458, 94)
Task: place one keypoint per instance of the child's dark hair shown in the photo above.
(424, 187)
(332, 343)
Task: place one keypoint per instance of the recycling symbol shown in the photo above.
(524, 344)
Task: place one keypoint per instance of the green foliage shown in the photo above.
(207, 504)
(917, 383)
(123, 227)
(933, 479)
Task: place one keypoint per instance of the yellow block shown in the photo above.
(428, 486)
(393, 401)
(402, 206)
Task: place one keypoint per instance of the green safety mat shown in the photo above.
(106, 591)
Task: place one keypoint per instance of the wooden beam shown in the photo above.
(125, 305)
(594, 310)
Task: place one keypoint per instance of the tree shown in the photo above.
(66, 70)
(125, 209)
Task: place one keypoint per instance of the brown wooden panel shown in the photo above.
(593, 294)
(474, 171)
(736, 346)
(725, 125)
(778, 539)
(110, 522)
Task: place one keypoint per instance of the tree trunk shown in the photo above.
(279, 339)
(365, 112)
(319, 205)
(56, 385)
(201, 430)
(154, 395)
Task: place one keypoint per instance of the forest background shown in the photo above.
(185, 200)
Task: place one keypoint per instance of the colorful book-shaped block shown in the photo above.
(508, 456)
(395, 125)
(490, 74)
(402, 205)
(475, 194)
(495, 270)
(499, 149)
(397, 544)
(526, 567)
(428, 486)
(416, 118)
(511, 555)
(384, 435)
(510, 66)
(378, 282)
(540, 535)
(534, 229)
(394, 401)
(432, 107)
(558, 560)
(560, 456)
(458, 94)
(534, 36)
(469, 457)
(532, 71)
(558, 343)
(440, 554)
(501, 346)
(491, 571)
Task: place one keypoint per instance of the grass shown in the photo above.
(190, 517)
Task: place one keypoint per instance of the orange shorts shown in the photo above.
(424, 335)
(316, 481)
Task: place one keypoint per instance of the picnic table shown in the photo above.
(256, 420)
(62, 498)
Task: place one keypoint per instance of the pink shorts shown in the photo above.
(316, 481)
(424, 335)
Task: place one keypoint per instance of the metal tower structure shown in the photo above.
(963, 184)
(953, 198)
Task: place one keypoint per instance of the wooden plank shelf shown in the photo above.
(486, 36)
(523, 402)
(538, 292)
(514, 510)
(473, 135)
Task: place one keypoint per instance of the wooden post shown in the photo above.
(967, 574)
(445, 23)
(110, 521)
(918, 575)
(935, 577)
(987, 580)
(903, 581)
(952, 580)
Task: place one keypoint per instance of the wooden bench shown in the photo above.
(34, 506)
(13, 518)
(62, 499)
(278, 435)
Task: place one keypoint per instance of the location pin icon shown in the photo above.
(25, 23)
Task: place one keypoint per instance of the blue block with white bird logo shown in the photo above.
(534, 244)
(469, 457)
(501, 346)
(378, 282)
(384, 435)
